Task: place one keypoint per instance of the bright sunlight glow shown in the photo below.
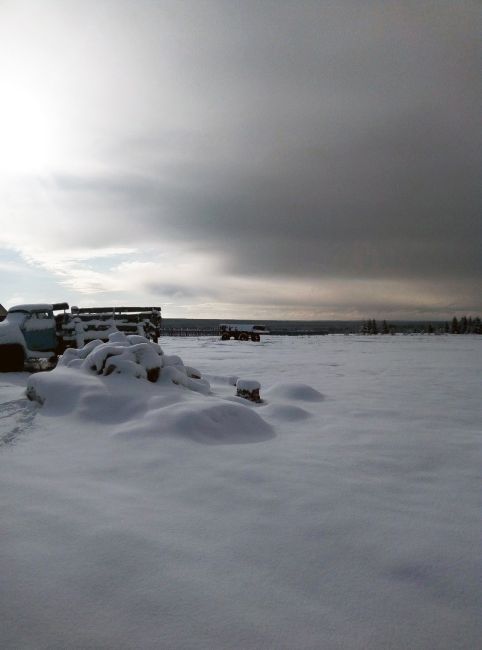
(29, 139)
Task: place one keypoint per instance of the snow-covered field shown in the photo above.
(342, 512)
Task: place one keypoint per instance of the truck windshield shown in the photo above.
(41, 314)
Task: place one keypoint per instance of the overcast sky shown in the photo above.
(242, 159)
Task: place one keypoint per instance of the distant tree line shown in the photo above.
(371, 327)
(464, 325)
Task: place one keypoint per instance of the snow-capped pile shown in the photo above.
(248, 384)
(132, 355)
(248, 389)
(131, 384)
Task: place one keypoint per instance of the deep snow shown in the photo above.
(132, 517)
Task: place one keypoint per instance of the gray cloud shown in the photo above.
(307, 140)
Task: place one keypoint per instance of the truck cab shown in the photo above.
(28, 331)
(39, 330)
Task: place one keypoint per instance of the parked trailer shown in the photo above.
(99, 322)
(30, 333)
(241, 332)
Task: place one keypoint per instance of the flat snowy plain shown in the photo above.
(343, 512)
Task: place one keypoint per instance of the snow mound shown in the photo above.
(229, 380)
(286, 413)
(90, 396)
(80, 373)
(61, 389)
(292, 391)
(105, 383)
(211, 423)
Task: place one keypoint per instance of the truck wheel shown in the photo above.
(255, 337)
(225, 337)
(243, 336)
(12, 358)
(61, 347)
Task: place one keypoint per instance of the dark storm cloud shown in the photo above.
(400, 203)
(332, 139)
(401, 199)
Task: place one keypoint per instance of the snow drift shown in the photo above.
(129, 381)
(356, 527)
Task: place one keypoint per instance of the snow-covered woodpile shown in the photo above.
(90, 323)
(130, 355)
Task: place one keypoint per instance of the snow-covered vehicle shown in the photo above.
(242, 332)
(44, 331)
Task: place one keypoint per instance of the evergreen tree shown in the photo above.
(374, 327)
(455, 326)
(385, 329)
(430, 329)
(463, 325)
(477, 326)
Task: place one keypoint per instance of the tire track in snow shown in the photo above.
(16, 415)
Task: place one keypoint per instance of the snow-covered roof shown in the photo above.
(28, 308)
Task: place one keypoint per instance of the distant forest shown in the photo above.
(466, 325)
(210, 327)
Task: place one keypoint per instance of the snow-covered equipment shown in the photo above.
(241, 332)
(44, 331)
(100, 322)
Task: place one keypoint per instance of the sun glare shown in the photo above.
(29, 141)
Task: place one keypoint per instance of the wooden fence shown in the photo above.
(189, 331)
